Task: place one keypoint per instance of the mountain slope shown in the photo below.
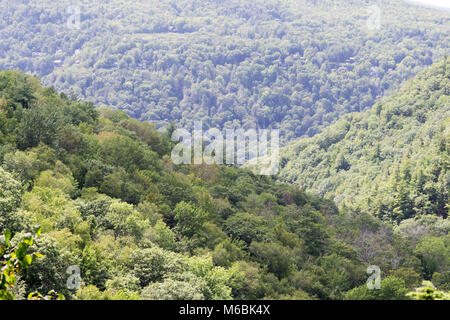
(297, 65)
(392, 160)
(111, 203)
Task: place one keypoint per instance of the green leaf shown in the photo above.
(7, 234)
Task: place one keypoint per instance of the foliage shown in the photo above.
(111, 203)
(428, 292)
(14, 259)
(294, 65)
(10, 199)
(391, 161)
(392, 288)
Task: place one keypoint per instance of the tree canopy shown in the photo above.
(127, 223)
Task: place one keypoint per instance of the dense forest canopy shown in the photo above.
(111, 203)
(93, 207)
(293, 64)
(391, 161)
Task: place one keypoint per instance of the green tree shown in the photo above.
(190, 218)
(434, 254)
(246, 227)
(10, 199)
(392, 288)
(14, 259)
(152, 264)
(277, 258)
(171, 289)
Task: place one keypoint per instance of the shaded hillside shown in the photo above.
(391, 161)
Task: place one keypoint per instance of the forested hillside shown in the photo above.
(110, 203)
(391, 161)
(297, 64)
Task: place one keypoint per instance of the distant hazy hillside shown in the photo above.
(294, 64)
(392, 160)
